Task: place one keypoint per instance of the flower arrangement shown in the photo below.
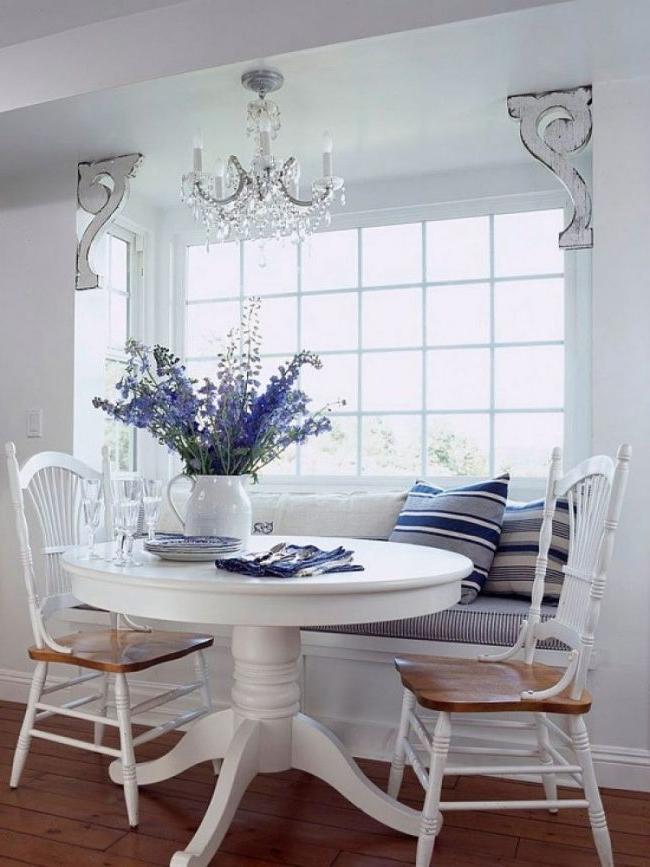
(232, 426)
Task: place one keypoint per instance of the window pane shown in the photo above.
(269, 368)
(118, 319)
(458, 379)
(206, 326)
(330, 322)
(284, 465)
(333, 453)
(270, 268)
(458, 249)
(200, 369)
(336, 380)
(279, 325)
(392, 254)
(392, 380)
(119, 264)
(523, 441)
(119, 438)
(213, 273)
(99, 257)
(458, 445)
(329, 261)
(391, 445)
(458, 314)
(392, 317)
(528, 243)
(529, 310)
(531, 376)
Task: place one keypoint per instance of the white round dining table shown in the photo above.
(264, 731)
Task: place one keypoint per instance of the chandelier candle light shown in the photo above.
(263, 202)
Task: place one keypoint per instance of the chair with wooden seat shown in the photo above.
(51, 483)
(514, 682)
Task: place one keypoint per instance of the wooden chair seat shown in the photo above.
(470, 686)
(122, 651)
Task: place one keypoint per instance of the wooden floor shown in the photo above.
(66, 812)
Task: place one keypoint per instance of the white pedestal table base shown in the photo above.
(264, 732)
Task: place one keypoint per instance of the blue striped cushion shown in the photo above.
(513, 568)
(466, 520)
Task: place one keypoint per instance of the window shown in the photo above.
(118, 267)
(445, 337)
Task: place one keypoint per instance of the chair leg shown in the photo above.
(201, 667)
(98, 728)
(397, 765)
(25, 737)
(123, 708)
(549, 781)
(431, 821)
(580, 738)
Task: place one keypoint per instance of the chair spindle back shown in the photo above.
(51, 484)
(594, 491)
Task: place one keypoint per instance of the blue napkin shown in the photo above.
(291, 561)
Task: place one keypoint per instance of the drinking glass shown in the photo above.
(151, 500)
(91, 498)
(123, 492)
(130, 504)
(130, 514)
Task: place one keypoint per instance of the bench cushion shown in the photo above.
(489, 620)
(359, 515)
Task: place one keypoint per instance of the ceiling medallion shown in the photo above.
(235, 204)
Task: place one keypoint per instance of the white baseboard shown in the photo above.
(616, 767)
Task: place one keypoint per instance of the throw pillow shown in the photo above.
(513, 567)
(466, 520)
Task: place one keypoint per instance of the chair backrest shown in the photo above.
(51, 483)
(594, 491)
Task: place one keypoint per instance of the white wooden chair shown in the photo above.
(504, 683)
(51, 482)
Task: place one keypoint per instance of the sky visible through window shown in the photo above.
(444, 337)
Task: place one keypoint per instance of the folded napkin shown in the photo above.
(291, 561)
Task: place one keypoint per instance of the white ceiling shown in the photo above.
(424, 101)
(21, 20)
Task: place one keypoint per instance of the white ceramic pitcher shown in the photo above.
(218, 506)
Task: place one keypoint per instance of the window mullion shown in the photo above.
(491, 458)
(423, 427)
(359, 351)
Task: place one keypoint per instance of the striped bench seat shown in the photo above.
(489, 620)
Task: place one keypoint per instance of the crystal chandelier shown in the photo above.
(235, 204)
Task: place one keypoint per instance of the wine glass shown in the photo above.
(91, 498)
(130, 515)
(117, 555)
(151, 500)
(130, 504)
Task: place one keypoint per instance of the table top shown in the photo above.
(399, 580)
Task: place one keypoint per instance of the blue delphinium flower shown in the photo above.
(230, 426)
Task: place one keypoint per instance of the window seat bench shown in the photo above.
(489, 620)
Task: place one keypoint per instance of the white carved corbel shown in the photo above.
(552, 126)
(102, 191)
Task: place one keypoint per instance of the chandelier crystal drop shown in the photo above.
(235, 204)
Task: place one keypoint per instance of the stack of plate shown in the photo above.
(173, 546)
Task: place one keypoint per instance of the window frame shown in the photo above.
(577, 333)
(126, 231)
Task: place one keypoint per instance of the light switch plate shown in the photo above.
(34, 423)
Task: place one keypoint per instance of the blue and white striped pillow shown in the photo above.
(466, 520)
(513, 567)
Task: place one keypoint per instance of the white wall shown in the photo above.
(37, 278)
(621, 397)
